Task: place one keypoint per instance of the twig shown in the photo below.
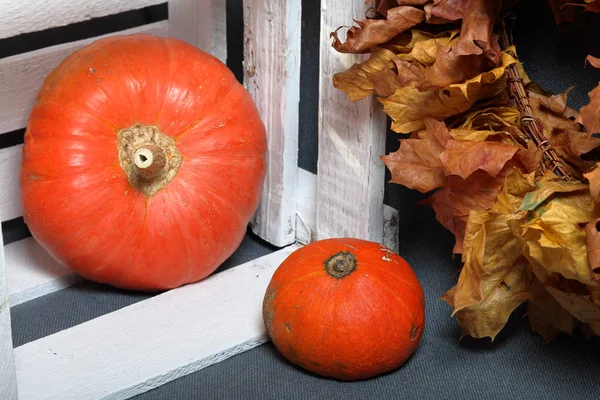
(530, 124)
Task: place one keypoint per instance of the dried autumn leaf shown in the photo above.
(372, 32)
(552, 236)
(593, 60)
(547, 187)
(487, 317)
(447, 10)
(476, 32)
(357, 82)
(516, 186)
(590, 113)
(580, 306)
(408, 106)
(594, 180)
(546, 316)
(462, 158)
(417, 163)
(558, 102)
(454, 202)
(570, 145)
(530, 157)
(593, 248)
(562, 15)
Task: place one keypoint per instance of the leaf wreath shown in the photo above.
(504, 159)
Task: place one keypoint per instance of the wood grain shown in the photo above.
(21, 76)
(272, 77)
(18, 17)
(33, 273)
(201, 23)
(10, 192)
(8, 382)
(350, 176)
(147, 344)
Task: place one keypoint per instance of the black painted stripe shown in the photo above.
(14, 230)
(82, 30)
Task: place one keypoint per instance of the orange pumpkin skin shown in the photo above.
(102, 111)
(349, 322)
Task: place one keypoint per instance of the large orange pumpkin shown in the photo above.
(143, 162)
(345, 308)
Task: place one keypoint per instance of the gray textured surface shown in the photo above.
(517, 365)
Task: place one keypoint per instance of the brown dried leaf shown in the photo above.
(417, 163)
(462, 158)
(507, 290)
(552, 235)
(372, 32)
(449, 68)
(408, 106)
(571, 144)
(594, 179)
(590, 113)
(358, 81)
(580, 306)
(531, 157)
(546, 316)
(593, 60)
(562, 15)
(558, 102)
(592, 233)
(453, 202)
(448, 10)
(476, 32)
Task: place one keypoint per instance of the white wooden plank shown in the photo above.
(21, 76)
(8, 382)
(351, 140)
(10, 192)
(33, 273)
(152, 342)
(201, 23)
(306, 222)
(17, 17)
(272, 77)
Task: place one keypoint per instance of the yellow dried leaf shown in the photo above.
(546, 316)
(580, 306)
(515, 187)
(594, 179)
(408, 106)
(471, 134)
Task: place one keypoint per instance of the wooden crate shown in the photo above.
(145, 345)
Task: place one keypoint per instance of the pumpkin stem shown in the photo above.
(149, 161)
(340, 264)
(148, 157)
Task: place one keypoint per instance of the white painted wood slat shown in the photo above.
(32, 273)
(21, 76)
(8, 382)
(201, 23)
(10, 192)
(306, 224)
(17, 17)
(272, 77)
(351, 140)
(150, 343)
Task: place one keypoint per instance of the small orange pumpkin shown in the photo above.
(345, 308)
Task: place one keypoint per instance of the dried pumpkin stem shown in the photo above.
(530, 124)
(340, 265)
(149, 160)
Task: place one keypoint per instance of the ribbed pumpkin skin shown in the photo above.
(77, 199)
(365, 323)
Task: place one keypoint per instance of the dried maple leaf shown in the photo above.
(558, 102)
(462, 158)
(592, 233)
(570, 145)
(417, 163)
(530, 157)
(552, 235)
(476, 31)
(516, 186)
(593, 60)
(505, 292)
(546, 316)
(372, 32)
(590, 113)
(580, 306)
(408, 106)
(562, 15)
(453, 202)
(593, 178)
(446, 10)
